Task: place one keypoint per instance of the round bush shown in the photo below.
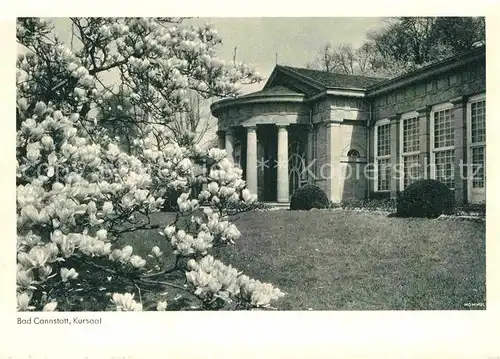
(425, 199)
(307, 197)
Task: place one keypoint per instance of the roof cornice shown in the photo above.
(230, 102)
(428, 71)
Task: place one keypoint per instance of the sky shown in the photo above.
(296, 41)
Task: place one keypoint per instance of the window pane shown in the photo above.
(383, 140)
(411, 135)
(478, 121)
(443, 129)
(411, 168)
(478, 178)
(383, 174)
(445, 171)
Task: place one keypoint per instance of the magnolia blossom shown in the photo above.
(126, 303)
(25, 279)
(68, 274)
(162, 306)
(23, 301)
(156, 252)
(137, 261)
(50, 307)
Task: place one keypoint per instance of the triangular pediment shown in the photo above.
(282, 77)
(311, 82)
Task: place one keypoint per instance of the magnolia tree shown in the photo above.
(78, 193)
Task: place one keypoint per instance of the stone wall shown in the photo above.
(453, 87)
(465, 81)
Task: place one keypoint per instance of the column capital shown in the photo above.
(250, 127)
(282, 125)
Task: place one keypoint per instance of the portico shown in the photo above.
(262, 132)
(262, 150)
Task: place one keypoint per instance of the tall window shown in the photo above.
(476, 109)
(383, 155)
(410, 148)
(443, 144)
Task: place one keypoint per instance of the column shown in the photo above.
(334, 170)
(229, 143)
(423, 119)
(221, 139)
(283, 186)
(396, 167)
(460, 157)
(251, 166)
(310, 155)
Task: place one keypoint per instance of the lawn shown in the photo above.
(342, 260)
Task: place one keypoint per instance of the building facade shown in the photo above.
(361, 137)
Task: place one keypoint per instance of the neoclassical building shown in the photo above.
(361, 137)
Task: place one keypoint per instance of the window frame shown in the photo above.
(432, 140)
(376, 157)
(471, 145)
(405, 117)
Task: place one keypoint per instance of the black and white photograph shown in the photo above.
(190, 165)
(155, 173)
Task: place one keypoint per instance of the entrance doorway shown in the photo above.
(267, 173)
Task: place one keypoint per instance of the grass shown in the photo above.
(341, 260)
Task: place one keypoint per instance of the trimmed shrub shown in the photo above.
(425, 199)
(307, 197)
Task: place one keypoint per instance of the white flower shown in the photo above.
(213, 187)
(116, 254)
(169, 231)
(156, 251)
(25, 279)
(102, 234)
(23, 301)
(38, 256)
(248, 197)
(125, 302)
(67, 247)
(68, 274)
(44, 272)
(50, 307)
(107, 208)
(137, 261)
(217, 154)
(47, 142)
(162, 306)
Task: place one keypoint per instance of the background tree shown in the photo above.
(194, 126)
(403, 44)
